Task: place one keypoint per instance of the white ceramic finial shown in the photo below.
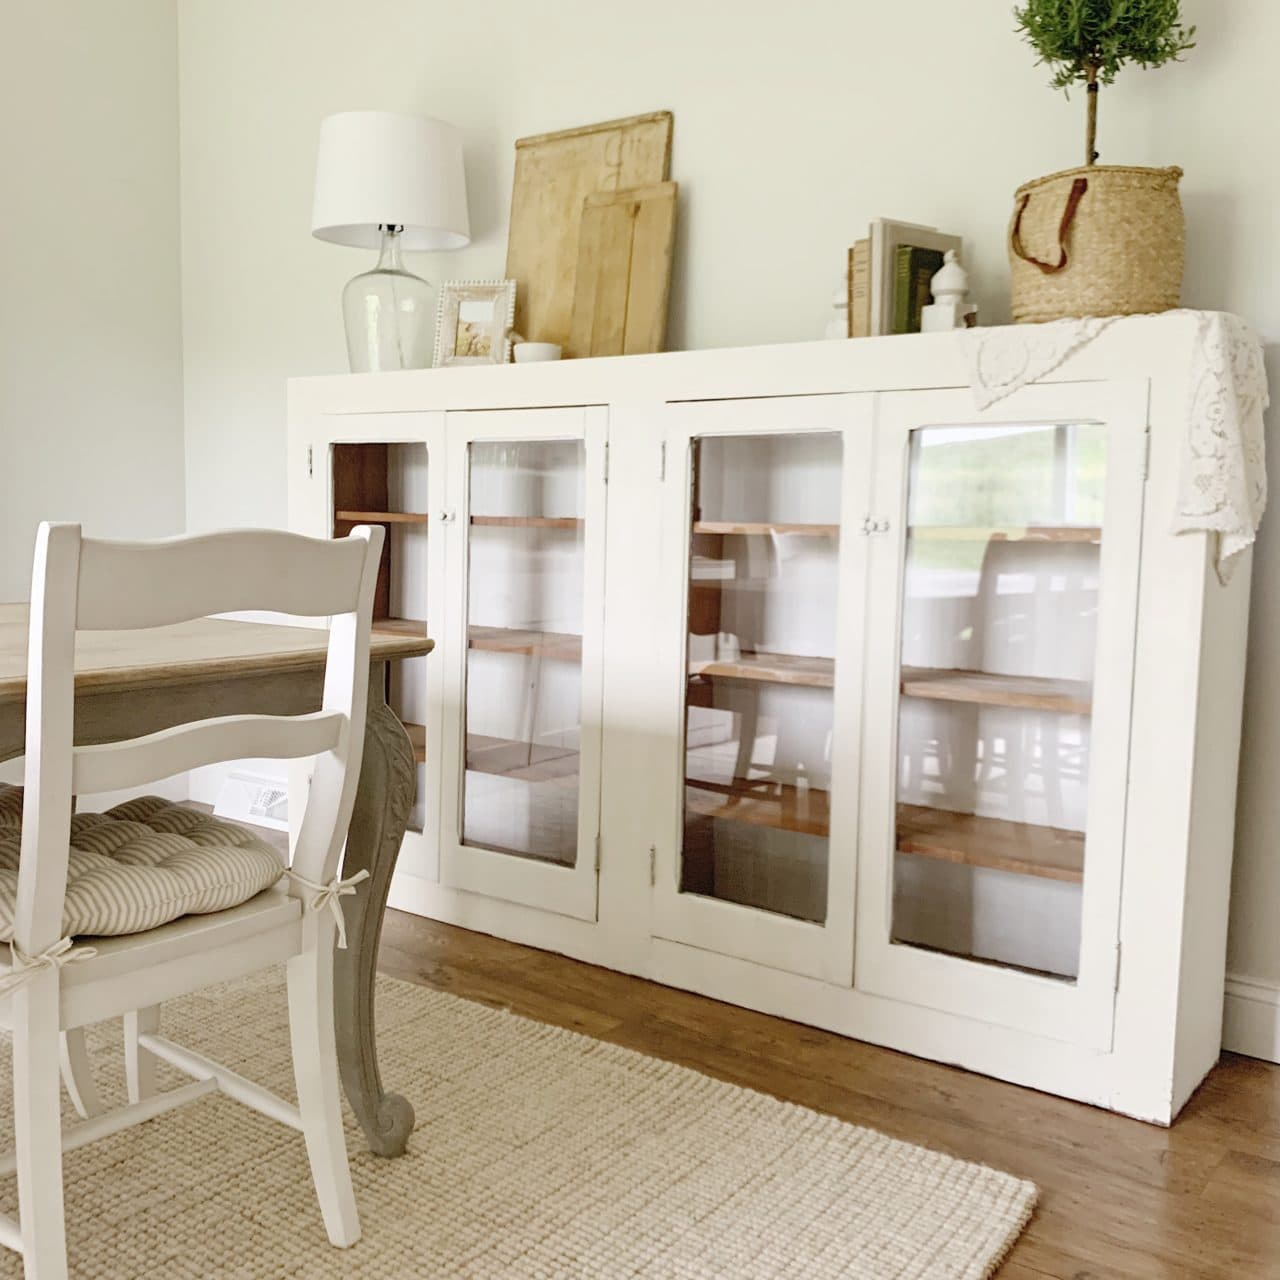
(951, 280)
(949, 310)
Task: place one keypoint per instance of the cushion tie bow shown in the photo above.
(328, 895)
(24, 967)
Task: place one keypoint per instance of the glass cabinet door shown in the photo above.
(525, 545)
(766, 571)
(1002, 697)
(521, 811)
(999, 628)
(394, 477)
(761, 657)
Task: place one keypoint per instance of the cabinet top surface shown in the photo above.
(1131, 345)
(205, 648)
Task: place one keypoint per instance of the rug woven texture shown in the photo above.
(539, 1153)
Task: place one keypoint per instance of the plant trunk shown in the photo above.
(1091, 127)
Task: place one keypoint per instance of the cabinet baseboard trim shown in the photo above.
(1251, 1018)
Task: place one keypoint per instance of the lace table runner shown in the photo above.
(1223, 486)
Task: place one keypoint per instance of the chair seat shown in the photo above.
(140, 865)
(184, 955)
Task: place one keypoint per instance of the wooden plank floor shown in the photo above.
(1118, 1198)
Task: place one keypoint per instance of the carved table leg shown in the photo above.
(384, 798)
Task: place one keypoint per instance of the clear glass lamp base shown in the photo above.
(388, 315)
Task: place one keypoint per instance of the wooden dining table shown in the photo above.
(134, 682)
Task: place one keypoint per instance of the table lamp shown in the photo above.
(389, 182)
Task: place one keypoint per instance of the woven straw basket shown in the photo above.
(1106, 240)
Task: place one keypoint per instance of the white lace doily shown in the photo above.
(1223, 487)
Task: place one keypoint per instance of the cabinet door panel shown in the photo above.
(764, 546)
(389, 469)
(998, 690)
(520, 815)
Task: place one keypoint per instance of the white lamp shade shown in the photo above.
(380, 168)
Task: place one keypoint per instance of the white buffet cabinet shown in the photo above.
(786, 676)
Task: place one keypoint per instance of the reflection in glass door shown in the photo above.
(525, 575)
(999, 622)
(760, 653)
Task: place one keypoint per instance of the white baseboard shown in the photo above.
(1251, 1017)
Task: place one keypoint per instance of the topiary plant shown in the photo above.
(1091, 40)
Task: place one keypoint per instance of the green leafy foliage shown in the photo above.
(1092, 39)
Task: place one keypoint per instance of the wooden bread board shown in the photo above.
(623, 278)
(554, 174)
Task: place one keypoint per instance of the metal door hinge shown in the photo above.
(597, 851)
(1115, 977)
(606, 462)
(653, 864)
(311, 471)
(662, 461)
(1146, 453)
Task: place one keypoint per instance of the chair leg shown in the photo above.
(315, 1068)
(37, 1128)
(77, 1074)
(139, 1065)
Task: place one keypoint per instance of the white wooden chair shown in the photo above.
(53, 985)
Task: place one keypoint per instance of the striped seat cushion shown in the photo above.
(141, 865)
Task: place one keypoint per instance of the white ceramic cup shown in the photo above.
(529, 352)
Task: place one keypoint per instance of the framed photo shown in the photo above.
(473, 325)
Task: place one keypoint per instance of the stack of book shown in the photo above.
(889, 275)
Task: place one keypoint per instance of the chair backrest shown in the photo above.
(83, 584)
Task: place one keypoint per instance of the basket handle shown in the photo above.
(1078, 188)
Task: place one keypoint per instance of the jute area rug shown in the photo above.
(538, 1153)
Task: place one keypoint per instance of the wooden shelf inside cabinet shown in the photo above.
(996, 843)
(559, 646)
(527, 522)
(382, 517)
(1030, 533)
(400, 626)
(505, 757)
(770, 668)
(761, 804)
(702, 583)
(748, 527)
(525, 761)
(1034, 693)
